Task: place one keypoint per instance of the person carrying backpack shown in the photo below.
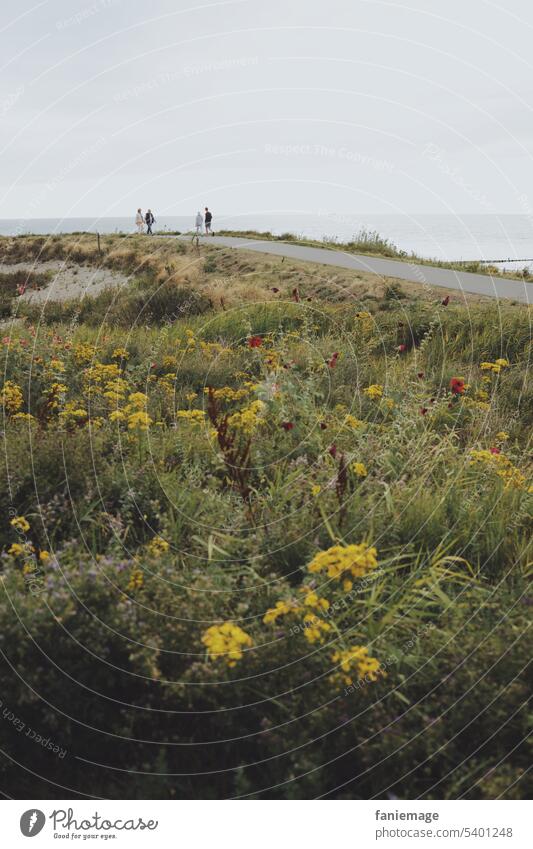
(149, 218)
(208, 219)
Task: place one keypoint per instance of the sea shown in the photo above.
(503, 239)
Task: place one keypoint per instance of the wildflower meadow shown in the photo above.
(260, 541)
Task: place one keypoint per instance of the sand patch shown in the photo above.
(68, 281)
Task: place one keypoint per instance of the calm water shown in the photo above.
(446, 237)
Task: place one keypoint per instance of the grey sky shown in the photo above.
(341, 106)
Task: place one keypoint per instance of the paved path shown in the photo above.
(478, 284)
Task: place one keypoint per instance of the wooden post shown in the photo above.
(98, 240)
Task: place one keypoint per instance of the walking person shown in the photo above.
(208, 219)
(139, 221)
(149, 218)
(199, 222)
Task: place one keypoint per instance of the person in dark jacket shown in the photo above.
(149, 219)
(208, 219)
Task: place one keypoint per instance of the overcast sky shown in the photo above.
(265, 105)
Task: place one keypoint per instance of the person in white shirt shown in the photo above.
(199, 222)
(139, 221)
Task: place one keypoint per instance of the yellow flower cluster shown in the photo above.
(496, 366)
(356, 662)
(20, 523)
(227, 393)
(157, 546)
(84, 353)
(282, 608)
(316, 629)
(226, 642)
(18, 550)
(115, 391)
(352, 422)
(139, 421)
(374, 391)
(344, 561)
(11, 397)
(120, 354)
(192, 416)
(56, 395)
(365, 320)
(313, 600)
(359, 469)
(101, 373)
(136, 581)
(134, 412)
(72, 414)
(502, 465)
(249, 419)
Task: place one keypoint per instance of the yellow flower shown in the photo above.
(23, 417)
(249, 419)
(315, 629)
(312, 599)
(44, 556)
(137, 400)
(503, 363)
(20, 524)
(136, 581)
(120, 354)
(351, 422)
(341, 561)
(73, 414)
(316, 489)
(502, 436)
(192, 416)
(359, 469)
(226, 642)
(157, 546)
(57, 365)
(374, 391)
(139, 421)
(356, 662)
(282, 608)
(502, 465)
(11, 397)
(117, 416)
(16, 549)
(84, 353)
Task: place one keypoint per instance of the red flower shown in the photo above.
(333, 450)
(495, 451)
(423, 411)
(446, 301)
(457, 386)
(287, 425)
(275, 290)
(401, 348)
(323, 425)
(255, 342)
(420, 374)
(333, 361)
